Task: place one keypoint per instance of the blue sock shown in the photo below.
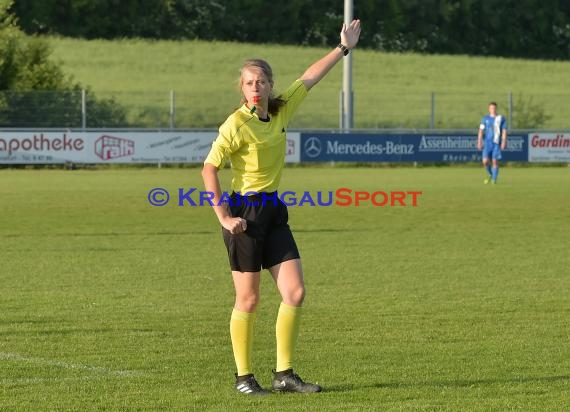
(495, 173)
(488, 167)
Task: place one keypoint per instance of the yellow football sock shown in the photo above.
(241, 331)
(286, 332)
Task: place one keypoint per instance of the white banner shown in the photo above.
(293, 149)
(37, 147)
(548, 147)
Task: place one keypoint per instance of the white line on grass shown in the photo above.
(25, 381)
(66, 365)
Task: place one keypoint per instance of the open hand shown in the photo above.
(350, 34)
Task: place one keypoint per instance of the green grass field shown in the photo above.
(460, 303)
(390, 90)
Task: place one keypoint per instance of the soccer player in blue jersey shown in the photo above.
(491, 139)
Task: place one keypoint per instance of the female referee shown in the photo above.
(254, 226)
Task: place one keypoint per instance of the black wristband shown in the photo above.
(344, 49)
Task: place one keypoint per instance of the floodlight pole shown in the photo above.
(347, 107)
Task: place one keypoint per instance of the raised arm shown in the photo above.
(348, 38)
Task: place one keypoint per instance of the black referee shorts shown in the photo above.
(267, 240)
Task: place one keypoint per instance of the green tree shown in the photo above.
(528, 114)
(34, 92)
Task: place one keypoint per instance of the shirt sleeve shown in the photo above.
(223, 146)
(504, 123)
(294, 96)
(482, 124)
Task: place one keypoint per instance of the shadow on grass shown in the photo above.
(99, 234)
(160, 233)
(461, 383)
(325, 230)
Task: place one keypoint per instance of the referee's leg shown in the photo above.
(243, 318)
(288, 276)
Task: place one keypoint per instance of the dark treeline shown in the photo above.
(35, 92)
(509, 28)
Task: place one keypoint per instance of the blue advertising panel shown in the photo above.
(361, 147)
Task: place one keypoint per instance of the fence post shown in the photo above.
(172, 109)
(83, 109)
(510, 122)
(432, 117)
(340, 110)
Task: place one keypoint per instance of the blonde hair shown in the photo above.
(275, 103)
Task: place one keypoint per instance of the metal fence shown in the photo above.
(372, 110)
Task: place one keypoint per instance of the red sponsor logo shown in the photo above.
(111, 147)
(558, 141)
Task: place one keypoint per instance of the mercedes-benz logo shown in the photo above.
(313, 147)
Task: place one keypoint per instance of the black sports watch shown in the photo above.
(344, 49)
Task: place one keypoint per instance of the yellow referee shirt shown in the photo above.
(255, 148)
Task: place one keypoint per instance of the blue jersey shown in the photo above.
(493, 128)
